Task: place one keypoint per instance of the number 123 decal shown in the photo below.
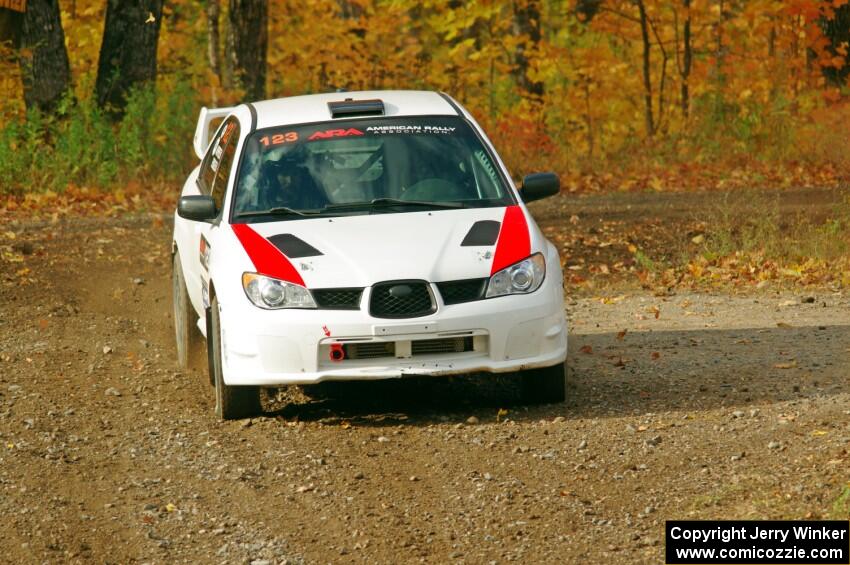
(279, 138)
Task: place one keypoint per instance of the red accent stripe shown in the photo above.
(267, 259)
(514, 242)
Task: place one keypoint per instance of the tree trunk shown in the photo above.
(45, 71)
(527, 25)
(249, 38)
(686, 60)
(213, 10)
(128, 51)
(719, 50)
(647, 68)
(837, 31)
(10, 27)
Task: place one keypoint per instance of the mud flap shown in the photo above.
(210, 360)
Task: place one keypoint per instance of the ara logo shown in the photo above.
(327, 134)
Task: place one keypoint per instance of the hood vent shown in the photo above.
(293, 247)
(350, 107)
(482, 233)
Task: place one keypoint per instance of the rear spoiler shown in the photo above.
(202, 130)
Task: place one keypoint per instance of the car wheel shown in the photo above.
(545, 385)
(188, 338)
(231, 402)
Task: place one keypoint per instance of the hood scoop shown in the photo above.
(293, 247)
(482, 233)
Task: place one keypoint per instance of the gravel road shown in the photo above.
(682, 406)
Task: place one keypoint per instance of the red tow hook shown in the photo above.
(337, 352)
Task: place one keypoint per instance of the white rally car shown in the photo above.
(365, 235)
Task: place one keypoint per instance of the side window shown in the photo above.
(227, 145)
(212, 160)
(207, 174)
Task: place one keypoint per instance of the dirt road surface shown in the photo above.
(683, 406)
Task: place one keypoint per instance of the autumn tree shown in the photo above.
(248, 40)
(127, 51)
(835, 24)
(45, 71)
(586, 9)
(213, 13)
(527, 27)
(684, 61)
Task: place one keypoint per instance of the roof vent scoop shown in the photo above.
(350, 107)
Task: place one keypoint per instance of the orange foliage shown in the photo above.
(755, 84)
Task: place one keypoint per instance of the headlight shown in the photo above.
(270, 293)
(520, 278)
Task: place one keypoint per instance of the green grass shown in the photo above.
(841, 505)
(751, 224)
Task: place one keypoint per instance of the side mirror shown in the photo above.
(198, 208)
(539, 185)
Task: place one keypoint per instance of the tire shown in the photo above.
(231, 402)
(544, 386)
(188, 340)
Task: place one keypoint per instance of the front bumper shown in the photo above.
(282, 347)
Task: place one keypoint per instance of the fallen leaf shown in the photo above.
(655, 355)
(622, 334)
(586, 349)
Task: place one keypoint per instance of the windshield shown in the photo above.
(366, 166)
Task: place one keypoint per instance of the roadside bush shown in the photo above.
(80, 146)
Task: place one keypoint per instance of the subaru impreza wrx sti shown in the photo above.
(365, 235)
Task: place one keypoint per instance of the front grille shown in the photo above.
(401, 299)
(456, 292)
(369, 350)
(337, 298)
(444, 345)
